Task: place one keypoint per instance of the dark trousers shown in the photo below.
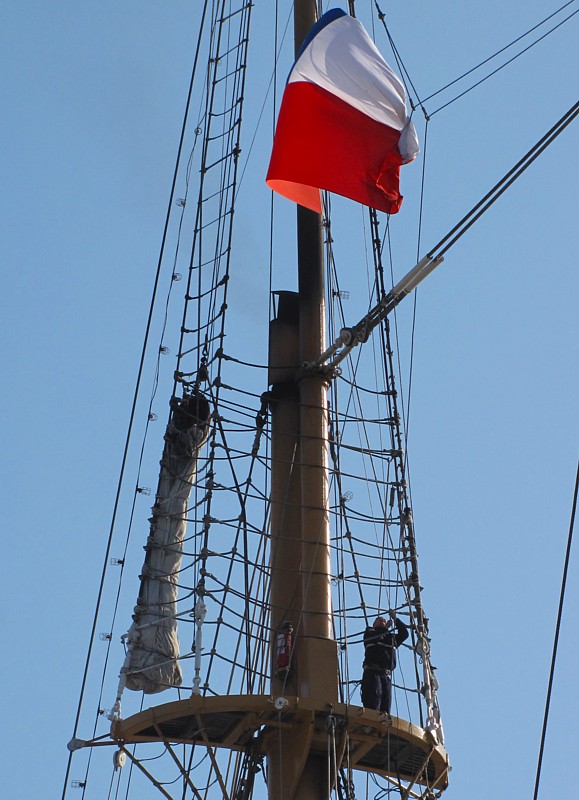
(376, 690)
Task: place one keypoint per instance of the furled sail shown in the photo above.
(153, 647)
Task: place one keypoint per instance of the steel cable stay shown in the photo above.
(221, 193)
(182, 204)
(358, 574)
(387, 462)
(271, 88)
(420, 102)
(335, 450)
(556, 636)
(341, 551)
(411, 579)
(380, 272)
(226, 181)
(360, 420)
(498, 69)
(398, 371)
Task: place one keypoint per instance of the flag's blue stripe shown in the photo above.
(326, 19)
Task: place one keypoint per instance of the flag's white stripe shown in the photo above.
(344, 60)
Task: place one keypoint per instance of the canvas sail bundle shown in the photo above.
(153, 647)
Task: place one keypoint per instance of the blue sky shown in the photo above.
(93, 98)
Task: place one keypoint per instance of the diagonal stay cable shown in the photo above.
(556, 640)
(498, 69)
(502, 50)
(501, 186)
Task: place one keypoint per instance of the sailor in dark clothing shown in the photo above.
(380, 660)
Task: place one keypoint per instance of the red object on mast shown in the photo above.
(343, 123)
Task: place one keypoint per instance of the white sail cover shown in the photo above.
(152, 659)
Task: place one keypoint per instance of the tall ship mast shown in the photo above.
(281, 525)
(276, 602)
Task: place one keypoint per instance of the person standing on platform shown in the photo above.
(380, 645)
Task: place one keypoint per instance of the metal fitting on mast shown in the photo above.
(199, 615)
(358, 334)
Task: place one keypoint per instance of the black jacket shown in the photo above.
(380, 646)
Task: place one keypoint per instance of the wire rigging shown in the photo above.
(556, 638)
(421, 102)
(444, 245)
(502, 66)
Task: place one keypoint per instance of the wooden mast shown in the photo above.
(300, 580)
(316, 589)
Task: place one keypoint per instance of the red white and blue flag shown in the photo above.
(343, 124)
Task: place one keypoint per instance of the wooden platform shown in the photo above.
(397, 749)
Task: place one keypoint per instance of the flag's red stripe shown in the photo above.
(323, 142)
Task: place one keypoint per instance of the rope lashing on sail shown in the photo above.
(153, 649)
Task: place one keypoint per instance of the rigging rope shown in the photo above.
(415, 300)
(221, 250)
(498, 69)
(501, 186)
(405, 577)
(406, 77)
(402, 69)
(556, 640)
(120, 483)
